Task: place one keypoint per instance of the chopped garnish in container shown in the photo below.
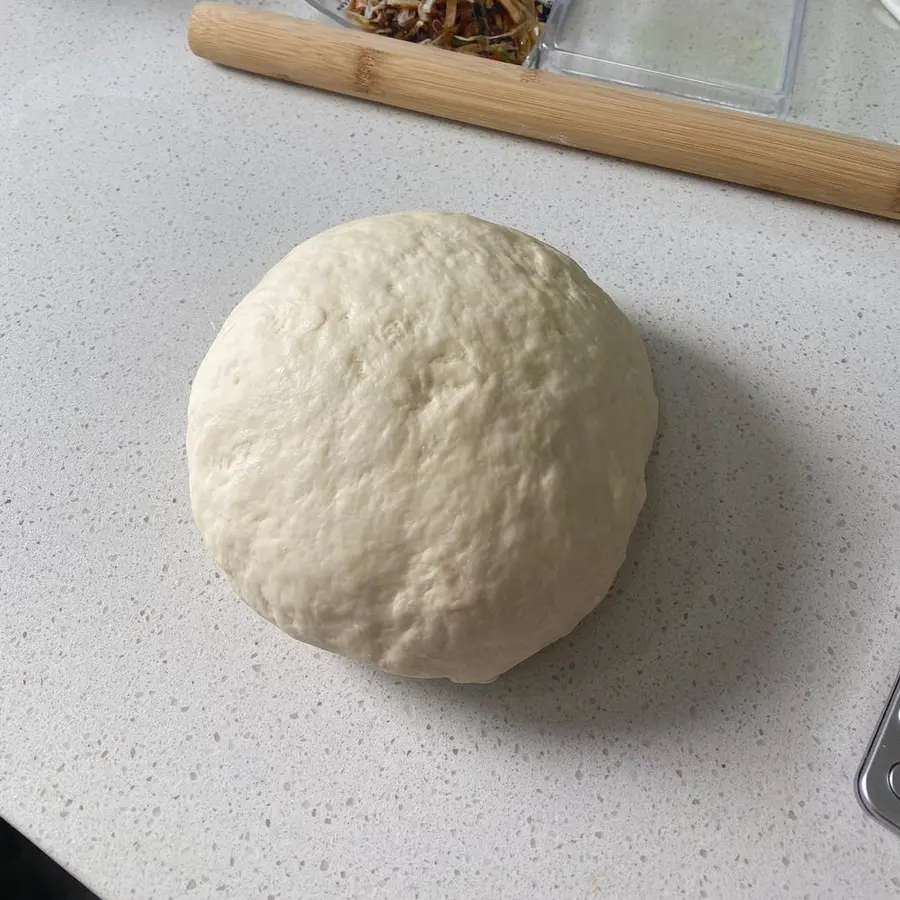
(506, 30)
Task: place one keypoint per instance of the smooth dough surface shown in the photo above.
(420, 442)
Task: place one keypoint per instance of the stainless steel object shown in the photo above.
(878, 783)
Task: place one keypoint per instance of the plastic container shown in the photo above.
(336, 10)
(729, 52)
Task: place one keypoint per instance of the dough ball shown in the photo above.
(420, 442)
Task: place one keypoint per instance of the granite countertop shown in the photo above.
(697, 736)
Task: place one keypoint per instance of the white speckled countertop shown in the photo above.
(696, 737)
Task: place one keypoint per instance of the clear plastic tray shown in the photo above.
(731, 52)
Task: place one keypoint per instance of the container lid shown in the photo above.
(729, 52)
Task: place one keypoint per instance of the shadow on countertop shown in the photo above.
(27, 873)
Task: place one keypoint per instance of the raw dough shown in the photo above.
(420, 442)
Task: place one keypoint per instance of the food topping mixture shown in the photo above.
(506, 30)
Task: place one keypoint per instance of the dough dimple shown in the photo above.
(420, 442)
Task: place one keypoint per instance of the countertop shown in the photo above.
(696, 737)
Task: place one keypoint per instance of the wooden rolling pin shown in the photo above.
(690, 137)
